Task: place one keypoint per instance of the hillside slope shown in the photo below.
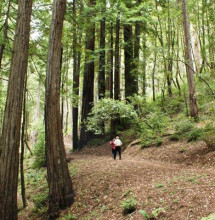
(176, 179)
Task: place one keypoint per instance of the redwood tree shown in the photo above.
(117, 62)
(61, 192)
(75, 83)
(102, 55)
(10, 139)
(88, 87)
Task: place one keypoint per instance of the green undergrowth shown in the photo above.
(36, 189)
(210, 217)
(152, 121)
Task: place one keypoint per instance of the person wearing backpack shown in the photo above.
(118, 144)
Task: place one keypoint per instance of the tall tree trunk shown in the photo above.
(189, 63)
(22, 177)
(75, 88)
(143, 76)
(88, 87)
(5, 33)
(117, 63)
(61, 192)
(130, 78)
(62, 80)
(101, 80)
(111, 62)
(10, 139)
(169, 63)
(153, 72)
(137, 47)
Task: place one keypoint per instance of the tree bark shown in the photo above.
(101, 80)
(22, 176)
(131, 87)
(75, 88)
(189, 63)
(169, 63)
(5, 33)
(88, 87)
(111, 62)
(117, 63)
(9, 147)
(61, 193)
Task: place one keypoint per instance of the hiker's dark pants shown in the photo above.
(117, 149)
(113, 152)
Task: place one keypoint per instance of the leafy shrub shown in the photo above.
(39, 152)
(210, 139)
(182, 150)
(152, 127)
(210, 126)
(174, 137)
(184, 125)
(195, 134)
(40, 199)
(174, 106)
(129, 205)
(144, 214)
(155, 213)
(106, 110)
(157, 121)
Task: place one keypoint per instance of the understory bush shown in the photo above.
(40, 200)
(129, 205)
(184, 125)
(152, 127)
(106, 110)
(209, 138)
(210, 217)
(175, 137)
(155, 213)
(39, 148)
(186, 129)
(195, 134)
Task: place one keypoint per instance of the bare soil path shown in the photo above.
(178, 189)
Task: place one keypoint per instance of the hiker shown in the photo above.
(113, 147)
(118, 144)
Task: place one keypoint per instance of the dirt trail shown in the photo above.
(101, 184)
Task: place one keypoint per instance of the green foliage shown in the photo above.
(127, 135)
(129, 205)
(174, 105)
(152, 127)
(210, 217)
(127, 192)
(69, 217)
(210, 126)
(175, 137)
(155, 213)
(40, 199)
(184, 125)
(209, 138)
(39, 148)
(195, 134)
(182, 150)
(144, 214)
(159, 185)
(106, 110)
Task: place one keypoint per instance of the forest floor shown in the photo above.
(175, 181)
